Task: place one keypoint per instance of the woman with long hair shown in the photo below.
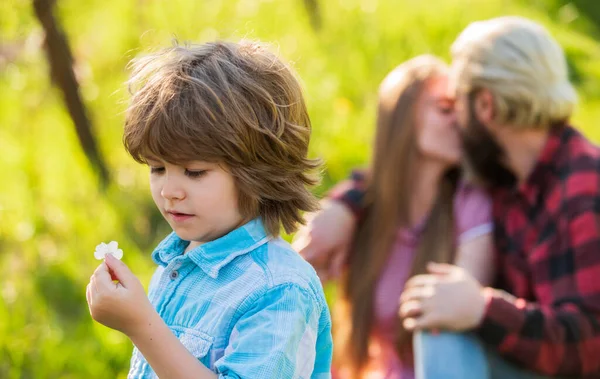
(415, 210)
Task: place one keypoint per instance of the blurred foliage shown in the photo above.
(52, 213)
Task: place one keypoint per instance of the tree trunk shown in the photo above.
(60, 60)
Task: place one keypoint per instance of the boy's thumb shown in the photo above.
(119, 270)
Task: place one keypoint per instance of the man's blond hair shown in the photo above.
(521, 64)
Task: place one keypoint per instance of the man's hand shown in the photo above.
(121, 305)
(448, 298)
(325, 240)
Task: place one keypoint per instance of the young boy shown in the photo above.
(225, 132)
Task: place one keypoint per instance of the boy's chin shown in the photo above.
(191, 232)
(184, 234)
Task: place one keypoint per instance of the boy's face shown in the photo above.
(198, 199)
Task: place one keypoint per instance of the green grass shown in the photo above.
(52, 213)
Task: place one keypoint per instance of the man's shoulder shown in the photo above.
(576, 184)
(578, 166)
(580, 153)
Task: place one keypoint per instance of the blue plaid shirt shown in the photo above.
(246, 305)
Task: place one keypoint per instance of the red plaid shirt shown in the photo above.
(547, 236)
(546, 313)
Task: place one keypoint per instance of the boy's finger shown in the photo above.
(119, 271)
(102, 278)
(93, 286)
(101, 267)
(88, 294)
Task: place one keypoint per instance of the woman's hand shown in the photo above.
(116, 298)
(446, 298)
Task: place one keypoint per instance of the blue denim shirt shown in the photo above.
(246, 305)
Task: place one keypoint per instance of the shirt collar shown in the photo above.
(214, 255)
(546, 163)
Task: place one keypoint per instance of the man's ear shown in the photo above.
(484, 106)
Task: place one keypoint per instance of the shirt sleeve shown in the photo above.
(276, 338)
(473, 213)
(560, 333)
(351, 192)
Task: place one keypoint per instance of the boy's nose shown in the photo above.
(172, 189)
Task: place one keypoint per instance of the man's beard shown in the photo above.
(483, 156)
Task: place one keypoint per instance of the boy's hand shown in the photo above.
(448, 298)
(121, 305)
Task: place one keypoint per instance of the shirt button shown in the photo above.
(174, 274)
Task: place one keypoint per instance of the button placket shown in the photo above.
(175, 271)
(168, 284)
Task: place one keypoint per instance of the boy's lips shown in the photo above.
(179, 216)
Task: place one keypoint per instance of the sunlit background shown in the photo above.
(55, 206)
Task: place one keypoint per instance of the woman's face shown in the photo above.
(437, 133)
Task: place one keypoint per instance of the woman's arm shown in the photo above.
(325, 240)
(474, 225)
(476, 255)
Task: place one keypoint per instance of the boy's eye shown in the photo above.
(195, 173)
(156, 170)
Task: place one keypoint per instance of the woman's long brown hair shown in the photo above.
(387, 209)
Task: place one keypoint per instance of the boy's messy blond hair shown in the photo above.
(235, 104)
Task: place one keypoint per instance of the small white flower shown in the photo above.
(110, 248)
